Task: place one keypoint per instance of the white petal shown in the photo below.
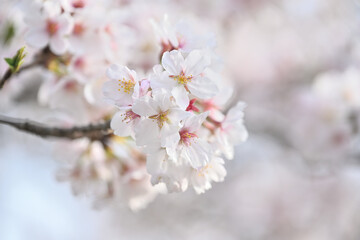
(162, 80)
(169, 135)
(37, 38)
(58, 44)
(121, 128)
(146, 132)
(172, 62)
(52, 8)
(199, 182)
(176, 115)
(197, 154)
(196, 62)
(162, 98)
(225, 146)
(181, 96)
(194, 122)
(117, 72)
(154, 162)
(218, 171)
(76, 45)
(115, 96)
(145, 107)
(202, 87)
(66, 24)
(236, 113)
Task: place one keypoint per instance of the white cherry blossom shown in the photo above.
(123, 86)
(184, 75)
(231, 130)
(213, 171)
(188, 147)
(160, 118)
(50, 27)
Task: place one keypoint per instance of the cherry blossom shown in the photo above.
(185, 75)
(160, 118)
(122, 87)
(50, 27)
(232, 130)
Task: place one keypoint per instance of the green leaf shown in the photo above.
(9, 33)
(16, 61)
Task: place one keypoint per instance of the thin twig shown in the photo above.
(8, 74)
(93, 131)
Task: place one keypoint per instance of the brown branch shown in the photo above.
(8, 74)
(93, 131)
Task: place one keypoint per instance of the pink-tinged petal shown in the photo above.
(202, 87)
(196, 62)
(37, 38)
(115, 95)
(144, 87)
(121, 126)
(146, 132)
(145, 107)
(136, 93)
(181, 96)
(173, 62)
(58, 45)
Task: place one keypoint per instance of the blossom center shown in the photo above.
(71, 86)
(78, 3)
(126, 85)
(161, 118)
(187, 138)
(52, 27)
(129, 116)
(78, 29)
(182, 79)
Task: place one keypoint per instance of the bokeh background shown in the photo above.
(296, 65)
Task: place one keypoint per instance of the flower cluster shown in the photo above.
(168, 117)
(116, 172)
(173, 115)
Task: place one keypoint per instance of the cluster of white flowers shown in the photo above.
(173, 115)
(170, 126)
(115, 173)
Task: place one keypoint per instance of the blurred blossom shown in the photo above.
(234, 119)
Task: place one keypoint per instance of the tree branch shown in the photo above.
(93, 131)
(8, 74)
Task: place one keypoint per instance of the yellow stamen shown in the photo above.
(161, 118)
(182, 79)
(126, 85)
